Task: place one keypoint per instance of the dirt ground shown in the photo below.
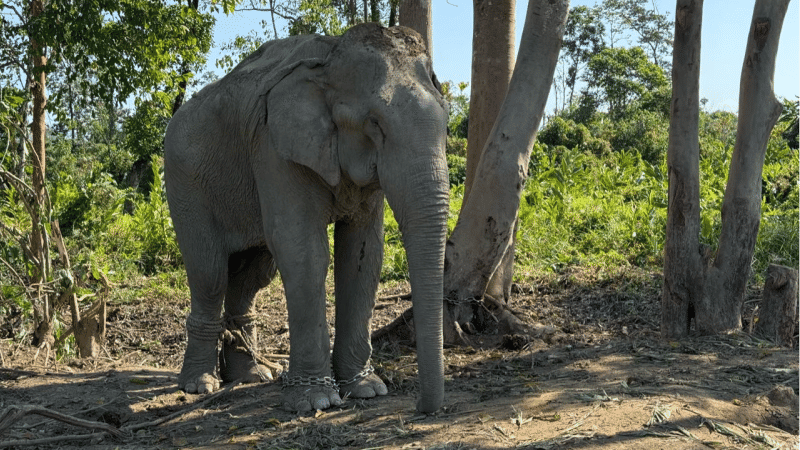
(597, 376)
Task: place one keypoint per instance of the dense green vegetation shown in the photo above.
(597, 188)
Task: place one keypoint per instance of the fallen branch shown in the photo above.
(15, 413)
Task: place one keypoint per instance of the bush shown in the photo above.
(644, 131)
(457, 167)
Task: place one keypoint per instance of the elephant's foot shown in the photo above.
(303, 394)
(200, 359)
(236, 365)
(363, 387)
(197, 382)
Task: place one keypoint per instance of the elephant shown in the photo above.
(305, 132)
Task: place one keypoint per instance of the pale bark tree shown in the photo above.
(710, 289)
(486, 222)
(417, 15)
(485, 228)
(492, 64)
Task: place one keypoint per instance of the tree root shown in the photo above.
(462, 321)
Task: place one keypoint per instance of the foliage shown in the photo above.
(457, 168)
(622, 76)
(326, 17)
(583, 38)
(582, 207)
(790, 117)
(316, 16)
(240, 48)
(457, 125)
(458, 119)
(651, 29)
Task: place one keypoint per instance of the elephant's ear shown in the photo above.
(299, 123)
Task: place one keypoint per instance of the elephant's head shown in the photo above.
(370, 111)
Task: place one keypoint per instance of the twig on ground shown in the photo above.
(394, 298)
(182, 412)
(14, 413)
(51, 440)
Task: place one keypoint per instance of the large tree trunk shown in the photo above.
(485, 226)
(713, 294)
(486, 222)
(683, 269)
(492, 64)
(726, 280)
(417, 15)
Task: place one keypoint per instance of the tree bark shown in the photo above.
(486, 222)
(683, 270)
(417, 15)
(713, 293)
(726, 280)
(39, 246)
(777, 315)
(492, 64)
(393, 12)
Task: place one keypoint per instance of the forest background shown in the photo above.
(595, 198)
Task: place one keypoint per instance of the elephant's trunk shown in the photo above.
(421, 207)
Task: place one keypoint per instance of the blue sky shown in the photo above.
(725, 27)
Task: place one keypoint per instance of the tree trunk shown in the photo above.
(492, 63)
(375, 14)
(777, 315)
(486, 223)
(417, 15)
(759, 110)
(38, 245)
(683, 270)
(713, 294)
(393, 12)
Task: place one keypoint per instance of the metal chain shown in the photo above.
(308, 381)
(454, 301)
(236, 335)
(360, 375)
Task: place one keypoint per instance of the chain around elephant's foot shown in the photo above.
(236, 365)
(365, 384)
(309, 393)
(200, 359)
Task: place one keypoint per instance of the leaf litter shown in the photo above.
(601, 378)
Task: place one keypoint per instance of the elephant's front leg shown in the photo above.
(358, 253)
(302, 254)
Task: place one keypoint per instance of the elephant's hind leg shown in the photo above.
(248, 272)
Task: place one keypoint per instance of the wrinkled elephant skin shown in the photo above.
(305, 132)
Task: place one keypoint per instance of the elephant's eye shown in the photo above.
(372, 128)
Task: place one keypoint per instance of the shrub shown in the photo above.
(457, 167)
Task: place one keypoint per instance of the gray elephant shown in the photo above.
(305, 132)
